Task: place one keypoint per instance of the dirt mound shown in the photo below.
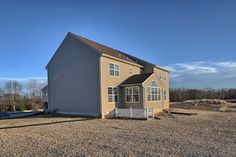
(204, 104)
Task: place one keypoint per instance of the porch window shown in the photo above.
(132, 94)
(112, 94)
(154, 92)
(114, 69)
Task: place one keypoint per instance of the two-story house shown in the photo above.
(88, 78)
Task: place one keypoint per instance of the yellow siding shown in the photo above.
(107, 80)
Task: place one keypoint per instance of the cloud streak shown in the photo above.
(23, 80)
(203, 74)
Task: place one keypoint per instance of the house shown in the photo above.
(44, 91)
(88, 78)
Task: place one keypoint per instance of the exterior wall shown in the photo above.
(45, 96)
(147, 68)
(107, 80)
(165, 83)
(73, 79)
(132, 105)
(158, 106)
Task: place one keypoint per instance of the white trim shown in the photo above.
(132, 102)
(92, 114)
(113, 102)
(160, 68)
(100, 84)
(158, 95)
(163, 94)
(114, 69)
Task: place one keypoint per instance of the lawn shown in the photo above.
(206, 134)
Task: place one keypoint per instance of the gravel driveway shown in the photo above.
(205, 134)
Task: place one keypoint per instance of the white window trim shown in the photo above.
(150, 87)
(132, 102)
(114, 69)
(112, 95)
(164, 95)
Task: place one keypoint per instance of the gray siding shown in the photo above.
(73, 78)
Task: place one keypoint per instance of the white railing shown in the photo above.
(134, 113)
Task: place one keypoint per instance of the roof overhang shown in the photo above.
(121, 60)
(162, 69)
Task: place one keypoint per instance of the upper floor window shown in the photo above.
(164, 95)
(112, 94)
(132, 94)
(114, 69)
(130, 71)
(160, 76)
(164, 77)
(154, 92)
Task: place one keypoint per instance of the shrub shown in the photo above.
(20, 107)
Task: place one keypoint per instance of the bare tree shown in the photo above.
(12, 92)
(33, 88)
(1, 92)
(182, 94)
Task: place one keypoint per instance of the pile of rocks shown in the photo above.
(204, 104)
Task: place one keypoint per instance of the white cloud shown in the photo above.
(21, 78)
(226, 64)
(203, 74)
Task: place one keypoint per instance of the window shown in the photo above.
(114, 69)
(160, 76)
(132, 94)
(112, 94)
(164, 95)
(130, 71)
(164, 77)
(154, 93)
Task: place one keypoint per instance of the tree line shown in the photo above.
(182, 94)
(15, 95)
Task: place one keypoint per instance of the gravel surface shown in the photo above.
(205, 134)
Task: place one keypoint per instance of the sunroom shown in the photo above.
(141, 91)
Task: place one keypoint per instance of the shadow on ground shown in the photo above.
(48, 123)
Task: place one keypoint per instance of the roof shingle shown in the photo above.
(136, 79)
(104, 49)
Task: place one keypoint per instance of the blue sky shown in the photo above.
(194, 39)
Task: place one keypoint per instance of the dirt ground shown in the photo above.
(206, 134)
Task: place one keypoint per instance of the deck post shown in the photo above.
(115, 112)
(146, 113)
(153, 112)
(130, 112)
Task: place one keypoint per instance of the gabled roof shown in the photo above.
(104, 49)
(136, 79)
(111, 52)
(45, 88)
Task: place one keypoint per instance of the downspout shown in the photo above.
(100, 84)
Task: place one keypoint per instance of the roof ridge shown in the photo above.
(95, 42)
(113, 52)
(104, 49)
